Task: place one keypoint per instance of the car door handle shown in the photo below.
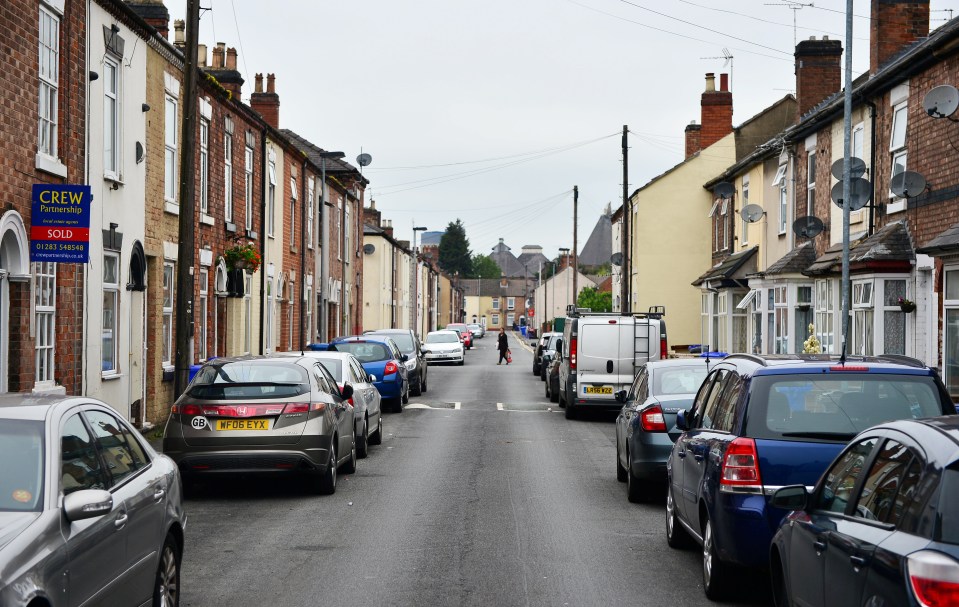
(857, 561)
(819, 545)
(681, 452)
(158, 494)
(121, 520)
(698, 456)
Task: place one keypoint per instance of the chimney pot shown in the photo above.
(200, 55)
(258, 83)
(218, 56)
(724, 82)
(179, 38)
(710, 82)
(231, 58)
(271, 83)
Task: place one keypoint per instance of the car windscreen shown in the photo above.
(365, 351)
(678, 380)
(250, 379)
(334, 366)
(836, 406)
(442, 338)
(21, 451)
(404, 341)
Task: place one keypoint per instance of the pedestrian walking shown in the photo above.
(502, 344)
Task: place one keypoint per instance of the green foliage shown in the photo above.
(484, 267)
(454, 251)
(590, 298)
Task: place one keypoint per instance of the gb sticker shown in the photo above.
(198, 422)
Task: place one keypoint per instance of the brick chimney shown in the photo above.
(266, 104)
(818, 72)
(387, 226)
(154, 12)
(895, 24)
(717, 111)
(372, 215)
(219, 51)
(693, 135)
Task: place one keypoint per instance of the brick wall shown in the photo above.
(895, 24)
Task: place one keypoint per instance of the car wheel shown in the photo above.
(326, 485)
(398, 404)
(547, 392)
(553, 395)
(377, 437)
(422, 383)
(462, 361)
(535, 369)
(558, 393)
(542, 374)
(636, 490)
(777, 576)
(620, 471)
(166, 587)
(715, 572)
(362, 442)
(350, 466)
(417, 389)
(406, 394)
(676, 536)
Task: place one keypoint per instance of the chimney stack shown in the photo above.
(717, 111)
(387, 227)
(179, 37)
(818, 72)
(693, 134)
(895, 24)
(371, 215)
(231, 58)
(267, 104)
(154, 12)
(223, 68)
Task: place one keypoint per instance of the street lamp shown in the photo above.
(416, 280)
(325, 257)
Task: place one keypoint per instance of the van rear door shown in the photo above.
(599, 359)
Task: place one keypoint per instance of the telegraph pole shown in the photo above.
(185, 249)
(625, 265)
(575, 232)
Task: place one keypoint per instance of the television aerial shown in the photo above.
(857, 168)
(751, 213)
(908, 184)
(809, 226)
(860, 193)
(942, 102)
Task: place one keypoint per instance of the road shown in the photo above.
(479, 495)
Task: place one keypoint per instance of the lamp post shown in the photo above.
(416, 281)
(325, 256)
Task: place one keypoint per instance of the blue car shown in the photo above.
(881, 526)
(759, 423)
(381, 358)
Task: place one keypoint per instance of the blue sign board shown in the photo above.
(60, 223)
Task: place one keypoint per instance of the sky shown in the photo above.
(490, 112)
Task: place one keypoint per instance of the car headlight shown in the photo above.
(410, 364)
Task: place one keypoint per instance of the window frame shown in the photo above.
(293, 199)
(271, 200)
(111, 290)
(228, 171)
(203, 307)
(824, 313)
(204, 159)
(783, 209)
(897, 148)
(744, 225)
(863, 316)
(112, 135)
(248, 313)
(48, 127)
(171, 106)
(249, 159)
(45, 311)
(169, 286)
(311, 211)
(810, 183)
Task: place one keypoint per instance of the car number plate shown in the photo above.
(242, 424)
(598, 390)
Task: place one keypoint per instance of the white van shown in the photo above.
(601, 353)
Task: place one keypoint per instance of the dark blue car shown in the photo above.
(880, 528)
(761, 423)
(381, 358)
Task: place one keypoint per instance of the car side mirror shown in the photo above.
(621, 396)
(347, 391)
(793, 497)
(681, 422)
(87, 503)
(372, 378)
(559, 345)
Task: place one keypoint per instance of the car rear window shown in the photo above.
(678, 380)
(250, 379)
(551, 344)
(21, 451)
(404, 341)
(365, 351)
(442, 338)
(836, 407)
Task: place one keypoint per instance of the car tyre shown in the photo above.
(547, 392)
(637, 491)
(417, 389)
(422, 382)
(620, 470)
(553, 396)
(676, 535)
(350, 466)
(777, 577)
(362, 440)
(462, 361)
(406, 395)
(716, 573)
(326, 485)
(377, 437)
(535, 369)
(166, 587)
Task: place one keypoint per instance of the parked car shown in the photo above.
(443, 347)
(465, 334)
(540, 348)
(409, 344)
(478, 331)
(880, 527)
(552, 373)
(601, 353)
(366, 400)
(763, 422)
(279, 415)
(549, 353)
(88, 511)
(646, 425)
(380, 357)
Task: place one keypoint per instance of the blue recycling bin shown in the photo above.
(193, 370)
(523, 330)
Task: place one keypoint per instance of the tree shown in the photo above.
(596, 301)
(454, 250)
(484, 267)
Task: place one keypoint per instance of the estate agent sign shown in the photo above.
(60, 223)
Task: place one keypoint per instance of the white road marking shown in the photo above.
(456, 406)
(499, 406)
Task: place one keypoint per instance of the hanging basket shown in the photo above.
(907, 307)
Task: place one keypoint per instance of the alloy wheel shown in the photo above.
(167, 593)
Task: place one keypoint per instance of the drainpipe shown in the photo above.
(84, 359)
(265, 166)
(872, 164)
(303, 243)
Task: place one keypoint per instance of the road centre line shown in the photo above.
(499, 406)
(456, 406)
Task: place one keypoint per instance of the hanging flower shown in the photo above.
(812, 345)
(243, 257)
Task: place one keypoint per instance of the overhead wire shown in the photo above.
(760, 19)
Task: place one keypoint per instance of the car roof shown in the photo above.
(29, 406)
(388, 332)
(806, 363)
(361, 338)
(681, 362)
(442, 331)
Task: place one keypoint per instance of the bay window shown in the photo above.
(862, 318)
(111, 312)
(950, 330)
(824, 314)
(804, 315)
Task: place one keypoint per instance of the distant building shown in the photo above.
(599, 245)
(508, 264)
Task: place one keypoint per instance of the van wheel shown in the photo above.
(571, 413)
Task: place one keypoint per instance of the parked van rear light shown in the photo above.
(187, 409)
(934, 578)
(663, 350)
(740, 472)
(572, 353)
(652, 420)
(390, 368)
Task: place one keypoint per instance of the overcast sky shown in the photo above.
(492, 111)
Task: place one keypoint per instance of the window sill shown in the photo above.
(171, 207)
(250, 234)
(206, 219)
(110, 376)
(293, 249)
(51, 165)
(896, 207)
(51, 390)
(231, 227)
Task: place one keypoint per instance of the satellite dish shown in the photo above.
(616, 259)
(942, 101)
(724, 190)
(751, 213)
(364, 159)
(860, 193)
(809, 226)
(369, 249)
(857, 168)
(907, 184)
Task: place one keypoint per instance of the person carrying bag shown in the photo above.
(502, 344)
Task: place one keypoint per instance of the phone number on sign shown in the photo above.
(60, 246)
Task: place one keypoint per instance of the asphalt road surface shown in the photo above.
(480, 494)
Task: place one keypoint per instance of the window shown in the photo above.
(111, 117)
(824, 314)
(708, 414)
(248, 311)
(168, 282)
(170, 144)
(204, 166)
(111, 313)
(739, 339)
(704, 321)
(744, 225)
(877, 500)
(309, 315)
(858, 132)
(780, 312)
(293, 196)
(897, 139)
(783, 209)
(248, 173)
(496, 303)
(49, 83)
(894, 319)
(950, 330)
(841, 478)
(510, 319)
(80, 467)
(289, 316)
(724, 220)
(347, 249)
(862, 318)
(757, 324)
(45, 289)
(811, 184)
(310, 212)
(228, 172)
(203, 312)
(122, 462)
(719, 320)
(270, 304)
(495, 320)
(271, 200)
(804, 315)
(780, 178)
(510, 303)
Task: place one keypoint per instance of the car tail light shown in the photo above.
(572, 353)
(934, 578)
(663, 350)
(652, 420)
(740, 472)
(849, 368)
(297, 408)
(390, 368)
(187, 409)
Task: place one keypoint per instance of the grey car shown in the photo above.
(271, 415)
(646, 425)
(89, 513)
